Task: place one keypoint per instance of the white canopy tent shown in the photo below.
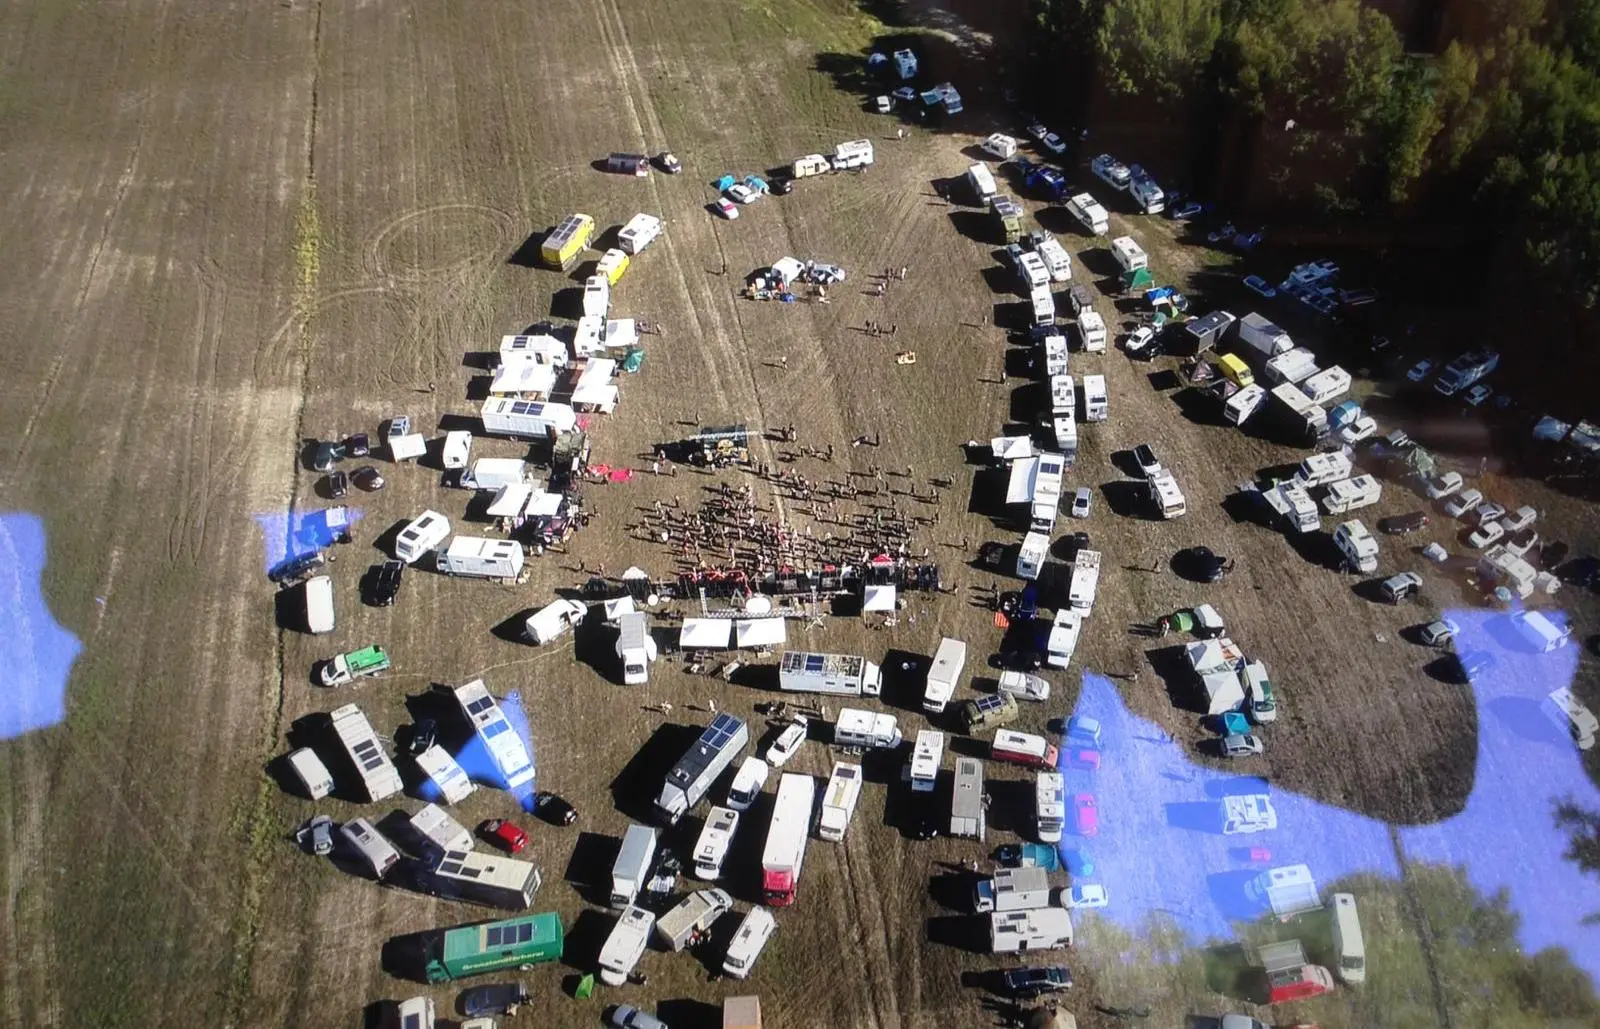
(617, 608)
(522, 376)
(752, 633)
(1024, 473)
(1011, 448)
(509, 500)
(879, 600)
(705, 633)
(541, 504)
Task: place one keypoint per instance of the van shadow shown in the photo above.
(961, 932)
(586, 871)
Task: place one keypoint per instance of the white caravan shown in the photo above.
(1096, 405)
(711, 849)
(626, 944)
(422, 534)
(1014, 932)
(1050, 806)
(479, 557)
(1088, 212)
(839, 801)
(927, 754)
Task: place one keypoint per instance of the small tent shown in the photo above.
(1137, 279)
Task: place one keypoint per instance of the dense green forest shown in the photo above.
(1493, 119)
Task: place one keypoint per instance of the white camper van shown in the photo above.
(319, 604)
(1348, 946)
(943, 677)
(982, 182)
(424, 533)
(749, 940)
(626, 944)
(635, 647)
(1000, 146)
(375, 851)
(747, 783)
(1092, 332)
(596, 296)
(711, 849)
(1013, 932)
(640, 232)
(457, 449)
(553, 620)
(311, 772)
(1088, 212)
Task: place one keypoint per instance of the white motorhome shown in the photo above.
(716, 836)
(422, 534)
(982, 182)
(839, 801)
(640, 232)
(1320, 469)
(628, 872)
(447, 776)
(635, 648)
(1050, 806)
(1031, 555)
(843, 675)
(1309, 420)
(872, 730)
(1147, 194)
(1351, 494)
(1165, 495)
(479, 557)
(747, 783)
(1063, 638)
(1096, 405)
(1055, 258)
(626, 944)
(313, 774)
(1044, 306)
(379, 778)
(693, 914)
(1327, 384)
(1012, 889)
(541, 348)
(1572, 717)
(374, 849)
(1246, 813)
(1014, 932)
(1295, 366)
(927, 754)
(1288, 890)
(1092, 332)
(967, 814)
(1130, 256)
(526, 419)
(749, 940)
(1033, 273)
(457, 449)
(854, 153)
(944, 675)
(504, 745)
(689, 780)
(1262, 336)
(1357, 546)
(1500, 567)
(554, 620)
(1065, 429)
(441, 831)
(1088, 212)
(487, 877)
(596, 296)
(1293, 506)
(1055, 360)
(1001, 146)
(1348, 946)
(1238, 408)
(1085, 581)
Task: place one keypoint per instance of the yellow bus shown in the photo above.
(567, 240)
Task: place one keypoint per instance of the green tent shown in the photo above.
(585, 988)
(633, 359)
(1137, 278)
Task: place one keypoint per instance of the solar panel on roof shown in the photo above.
(814, 662)
(480, 704)
(494, 729)
(450, 867)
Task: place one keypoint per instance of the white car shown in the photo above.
(1437, 634)
(1145, 457)
(1485, 534)
(1089, 895)
(783, 748)
(1053, 143)
(1139, 338)
(742, 194)
(1420, 370)
(1488, 511)
(1359, 429)
(747, 784)
(1444, 485)
(1478, 394)
(1462, 502)
(726, 208)
(1081, 500)
(1519, 543)
(1520, 519)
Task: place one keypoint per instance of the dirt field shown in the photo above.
(240, 227)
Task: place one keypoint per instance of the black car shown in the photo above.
(781, 186)
(294, 568)
(1021, 659)
(494, 999)
(1035, 982)
(386, 582)
(338, 485)
(1397, 525)
(424, 734)
(1200, 564)
(325, 455)
(358, 445)
(1469, 664)
(1552, 554)
(368, 478)
(554, 809)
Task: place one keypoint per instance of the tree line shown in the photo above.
(1496, 116)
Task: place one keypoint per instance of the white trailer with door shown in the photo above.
(447, 776)
(442, 832)
(868, 730)
(421, 534)
(478, 557)
(944, 675)
(839, 801)
(526, 419)
(1014, 932)
(379, 777)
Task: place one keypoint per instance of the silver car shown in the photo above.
(1081, 500)
(1437, 634)
(1241, 744)
(626, 1016)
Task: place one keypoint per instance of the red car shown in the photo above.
(507, 835)
(1087, 814)
(1083, 759)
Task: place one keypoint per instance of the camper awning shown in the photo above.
(597, 394)
(617, 608)
(598, 370)
(760, 632)
(407, 447)
(509, 500)
(1010, 448)
(543, 505)
(1023, 474)
(879, 600)
(621, 332)
(523, 376)
(1224, 692)
(705, 633)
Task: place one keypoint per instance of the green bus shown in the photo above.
(493, 946)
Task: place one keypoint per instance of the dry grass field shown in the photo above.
(236, 227)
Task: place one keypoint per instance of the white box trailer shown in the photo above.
(1063, 638)
(457, 449)
(314, 776)
(625, 945)
(1290, 366)
(1096, 404)
(526, 419)
(1129, 255)
(982, 182)
(1050, 806)
(504, 745)
(1055, 358)
(967, 815)
(711, 848)
(944, 675)
(1056, 259)
(628, 872)
(496, 472)
(374, 849)
(318, 592)
(640, 232)
(554, 620)
(1032, 554)
(1237, 409)
(839, 801)
(927, 755)
(840, 675)
(1165, 495)
(1014, 932)
(421, 535)
(1262, 336)
(1088, 213)
(1092, 332)
(1327, 384)
(635, 648)
(479, 557)
(1012, 889)
(1085, 581)
(441, 831)
(870, 729)
(1351, 494)
(379, 778)
(447, 776)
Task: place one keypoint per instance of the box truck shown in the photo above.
(844, 675)
(628, 872)
(944, 675)
(785, 849)
(1262, 336)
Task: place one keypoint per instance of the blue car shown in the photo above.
(1260, 285)
(1047, 179)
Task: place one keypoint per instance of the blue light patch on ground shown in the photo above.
(289, 534)
(38, 652)
(1160, 848)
